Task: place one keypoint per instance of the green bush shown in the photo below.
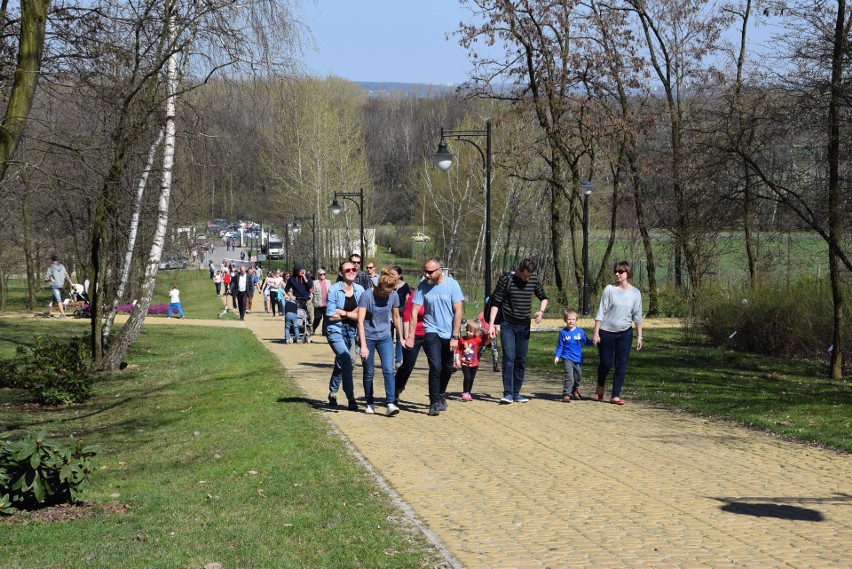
(793, 321)
(56, 372)
(36, 471)
(672, 303)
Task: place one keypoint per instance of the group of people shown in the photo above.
(285, 293)
(365, 310)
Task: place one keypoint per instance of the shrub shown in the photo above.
(672, 303)
(36, 471)
(792, 321)
(56, 372)
(153, 309)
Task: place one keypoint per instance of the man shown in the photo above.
(240, 285)
(56, 275)
(442, 299)
(513, 297)
(319, 300)
(371, 272)
(361, 277)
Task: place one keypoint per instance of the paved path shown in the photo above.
(586, 484)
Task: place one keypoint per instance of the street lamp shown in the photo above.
(335, 209)
(443, 159)
(311, 220)
(586, 188)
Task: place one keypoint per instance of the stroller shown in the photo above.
(303, 322)
(78, 295)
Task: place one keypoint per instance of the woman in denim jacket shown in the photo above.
(342, 317)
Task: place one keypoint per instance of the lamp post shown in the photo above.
(586, 188)
(443, 159)
(335, 209)
(311, 220)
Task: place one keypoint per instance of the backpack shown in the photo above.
(498, 319)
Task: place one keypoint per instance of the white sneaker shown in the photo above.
(370, 410)
(392, 410)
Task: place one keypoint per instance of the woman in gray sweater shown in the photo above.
(620, 308)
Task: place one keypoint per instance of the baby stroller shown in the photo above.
(303, 322)
(78, 294)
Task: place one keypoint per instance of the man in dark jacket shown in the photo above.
(300, 286)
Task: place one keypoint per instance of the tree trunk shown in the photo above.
(29, 261)
(128, 334)
(131, 242)
(30, 53)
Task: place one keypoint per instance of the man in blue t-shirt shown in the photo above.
(441, 297)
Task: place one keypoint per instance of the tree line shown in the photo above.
(686, 127)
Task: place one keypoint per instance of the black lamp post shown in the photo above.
(311, 220)
(443, 159)
(335, 209)
(586, 188)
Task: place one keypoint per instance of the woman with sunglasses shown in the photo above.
(620, 308)
(378, 309)
(342, 316)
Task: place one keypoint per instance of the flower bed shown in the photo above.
(154, 309)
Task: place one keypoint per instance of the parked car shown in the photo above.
(173, 263)
(420, 238)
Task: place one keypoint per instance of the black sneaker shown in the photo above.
(434, 409)
(332, 399)
(353, 405)
(442, 404)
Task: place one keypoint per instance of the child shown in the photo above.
(174, 299)
(468, 352)
(570, 349)
(290, 319)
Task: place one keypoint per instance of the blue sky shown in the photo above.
(386, 40)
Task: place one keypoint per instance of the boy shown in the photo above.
(174, 301)
(570, 349)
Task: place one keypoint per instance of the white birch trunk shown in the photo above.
(118, 349)
(134, 229)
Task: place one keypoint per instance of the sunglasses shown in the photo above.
(430, 273)
(350, 270)
(620, 271)
(371, 267)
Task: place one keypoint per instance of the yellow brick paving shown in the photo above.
(586, 484)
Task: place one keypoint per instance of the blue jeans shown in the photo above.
(516, 342)
(341, 340)
(290, 320)
(385, 349)
(440, 358)
(614, 346)
(175, 307)
(398, 355)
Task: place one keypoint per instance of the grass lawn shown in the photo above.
(218, 459)
(792, 398)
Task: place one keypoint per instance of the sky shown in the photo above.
(385, 40)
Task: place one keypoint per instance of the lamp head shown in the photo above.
(443, 158)
(334, 208)
(296, 227)
(587, 187)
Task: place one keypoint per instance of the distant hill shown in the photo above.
(379, 88)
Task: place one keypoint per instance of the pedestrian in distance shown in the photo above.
(569, 349)
(319, 300)
(342, 314)
(217, 281)
(620, 308)
(513, 298)
(56, 275)
(174, 302)
(378, 310)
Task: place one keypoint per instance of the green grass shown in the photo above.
(792, 398)
(188, 441)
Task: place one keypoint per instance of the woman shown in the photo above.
(620, 308)
(342, 317)
(409, 357)
(402, 290)
(377, 308)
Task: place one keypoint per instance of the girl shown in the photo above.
(468, 352)
(377, 308)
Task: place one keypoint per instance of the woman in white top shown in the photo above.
(620, 308)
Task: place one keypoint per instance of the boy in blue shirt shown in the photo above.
(570, 350)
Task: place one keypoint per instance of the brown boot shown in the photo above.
(599, 391)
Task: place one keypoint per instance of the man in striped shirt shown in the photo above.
(513, 297)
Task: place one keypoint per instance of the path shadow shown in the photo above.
(316, 364)
(780, 507)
